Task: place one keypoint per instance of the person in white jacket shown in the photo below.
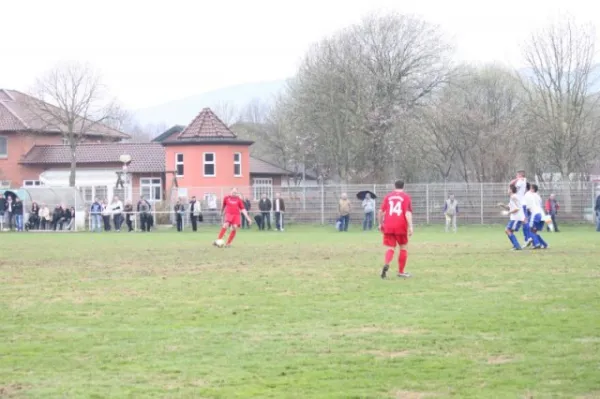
(368, 205)
(117, 211)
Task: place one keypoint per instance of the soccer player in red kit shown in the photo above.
(395, 222)
(232, 209)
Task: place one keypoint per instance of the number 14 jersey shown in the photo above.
(394, 208)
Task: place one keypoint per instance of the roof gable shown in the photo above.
(206, 125)
(167, 134)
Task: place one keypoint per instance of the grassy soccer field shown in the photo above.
(301, 314)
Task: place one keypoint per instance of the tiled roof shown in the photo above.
(20, 111)
(146, 157)
(206, 125)
(165, 135)
(258, 166)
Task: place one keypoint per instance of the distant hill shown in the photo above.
(183, 111)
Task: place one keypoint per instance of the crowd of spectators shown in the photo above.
(40, 217)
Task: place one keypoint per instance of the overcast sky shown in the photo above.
(150, 53)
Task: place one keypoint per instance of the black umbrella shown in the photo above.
(10, 194)
(362, 194)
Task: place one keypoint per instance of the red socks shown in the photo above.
(231, 236)
(222, 233)
(402, 260)
(389, 255)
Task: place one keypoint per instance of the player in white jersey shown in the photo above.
(515, 211)
(520, 182)
(536, 217)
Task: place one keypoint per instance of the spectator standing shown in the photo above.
(179, 212)
(368, 205)
(18, 212)
(9, 212)
(279, 208)
(128, 213)
(117, 211)
(265, 207)
(106, 215)
(45, 219)
(344, 208)
(552, 208)
(451, 212)
(58, 217)
(144, 208)
(2, 210)
(195, 210)
(96, 216)
(247, 205)
(597, 209)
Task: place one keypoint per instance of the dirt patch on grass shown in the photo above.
(412, 395)
(391, 330)
(500, 359)
(388, 355)
(11, 390)
(591, 395)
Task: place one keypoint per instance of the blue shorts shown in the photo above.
(514, 225)
(536, 222)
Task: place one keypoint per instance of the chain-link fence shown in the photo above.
(319, 205)
(477, 203)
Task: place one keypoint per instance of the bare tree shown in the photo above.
(227, 112)
(561, 106)
(72, 100)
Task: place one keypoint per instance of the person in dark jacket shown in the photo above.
(34, 217)
(58, 217)
(144, 209)
(96, 216)
(68, 218)
(179, 209)
(195, 210)
(128, 210)
(597, 209)
(9, 211)
(18, 214)
(2, 210)
(265, 207)
(247, 205)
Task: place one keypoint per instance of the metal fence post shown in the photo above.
(322, 204)
(427, 202)
(303, 196)
(481, 201)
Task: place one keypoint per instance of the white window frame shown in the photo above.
(148, 182)
(65, 140)
(177, 163)
(32, 183)
(262, 185)
(204, 163)
(236, 163)
(5, 155)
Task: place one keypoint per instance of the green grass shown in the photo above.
(301, 314)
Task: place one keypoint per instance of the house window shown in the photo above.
(100, 192)
(209, 164)
(179, 164)
(151, 189)
(3, 147)
(237, 164)
(262, 186)
(87, 193)
(65, 141)
(32, 183)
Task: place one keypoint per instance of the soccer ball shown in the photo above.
(220, 243)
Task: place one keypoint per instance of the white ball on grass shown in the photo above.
(220, 243)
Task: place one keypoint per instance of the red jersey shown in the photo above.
(394, 207)
(233, 205)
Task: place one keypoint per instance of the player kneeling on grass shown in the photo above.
(515, 212)
(232, 210)
(395, 222)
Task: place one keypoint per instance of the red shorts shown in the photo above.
(391, 240)
(233, 220)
